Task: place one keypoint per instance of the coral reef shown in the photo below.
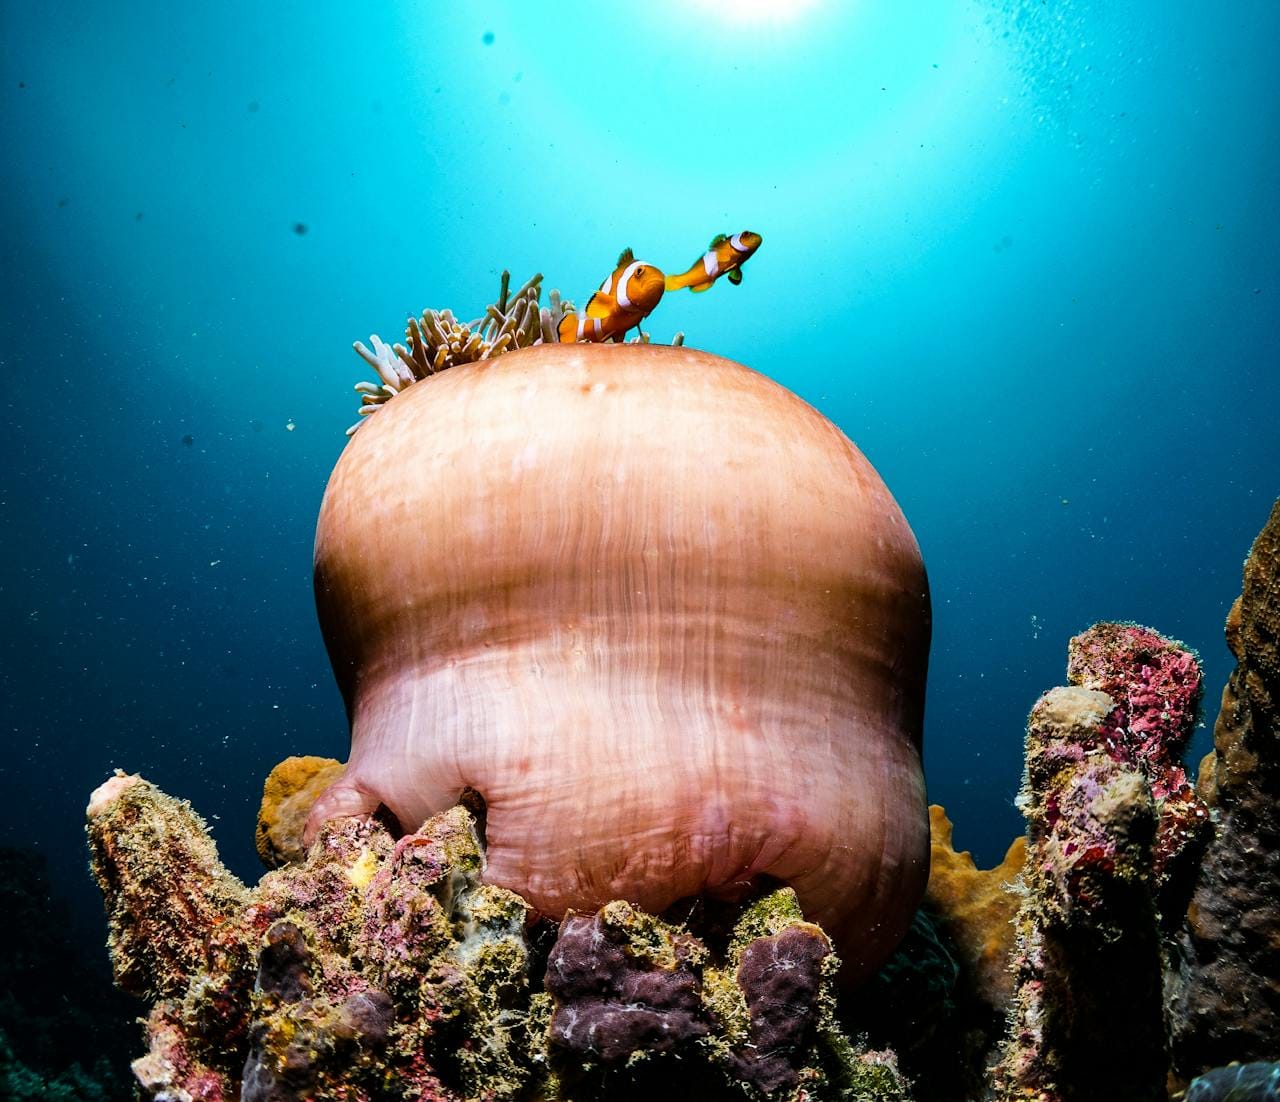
(1109, 820)
(380, 966)
(1155, 684)
(159, 921)
(385, 969)
(1225, 999)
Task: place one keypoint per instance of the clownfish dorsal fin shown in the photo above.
(735, 276)
(719, 239)
(600, 305)
(625, 257)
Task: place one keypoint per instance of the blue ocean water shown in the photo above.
(1023, 253)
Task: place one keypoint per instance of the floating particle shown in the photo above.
(188, 440)
(487, 38)
(299, 228)
(289, 425)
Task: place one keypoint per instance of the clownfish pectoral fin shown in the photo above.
(719, 239)
(625, 257)
(600, 305)
(735, 276)
(698, 288)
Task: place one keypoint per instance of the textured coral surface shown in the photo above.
(1226, 1001)
(1109, 815)
(1156, 686)
(386, 969)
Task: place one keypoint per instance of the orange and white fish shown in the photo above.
(624, 300)
(725, 256)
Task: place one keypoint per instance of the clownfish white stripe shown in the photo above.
(710, 265)
(736, 242)
(625, 279)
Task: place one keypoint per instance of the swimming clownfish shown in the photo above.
(725, 256)
(624, 300)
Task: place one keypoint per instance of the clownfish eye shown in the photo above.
(640, 271)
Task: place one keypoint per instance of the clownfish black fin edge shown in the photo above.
(735, 276)
(599, 305)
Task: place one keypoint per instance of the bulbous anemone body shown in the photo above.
(658, 611)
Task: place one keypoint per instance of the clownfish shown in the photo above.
(725, 256)
(624, 300)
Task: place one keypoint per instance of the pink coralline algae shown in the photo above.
(1155, 684)
(385, 970)
(1113, 832)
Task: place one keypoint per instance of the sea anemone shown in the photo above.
(656, 610)
(437, 340)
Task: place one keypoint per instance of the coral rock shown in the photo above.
(1087, 926)
(290, 790)
(1225, 1002)
(781, 980)
(623, 982)
(1156, 685)
(138, 838)
(386, 969)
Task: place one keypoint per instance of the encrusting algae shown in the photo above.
(384, 968)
